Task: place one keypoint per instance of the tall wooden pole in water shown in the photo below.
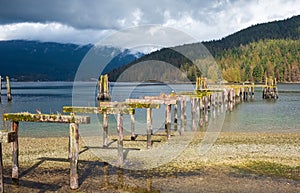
(9, 97)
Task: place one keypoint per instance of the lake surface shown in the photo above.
(256, 115)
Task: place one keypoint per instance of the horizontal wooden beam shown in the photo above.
(47, 118)
(98, 110)
(135, 103)
(162, 100)
(7, 136)
(141, 104)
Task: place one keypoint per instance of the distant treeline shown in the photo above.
(269, 49)
(254, 61)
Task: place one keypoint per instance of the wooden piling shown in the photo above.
(133, 135)
(74, 149)
(103, 88)
(193, 112)
(201, 111)
(105, 129)
(168, 118)
(120, 139)
(176, 116)
(149, 127)
(9, 97)
(15, 154)
(182, 115)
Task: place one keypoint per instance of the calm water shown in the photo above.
(258, 115)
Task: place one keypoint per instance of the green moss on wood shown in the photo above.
(28, 117)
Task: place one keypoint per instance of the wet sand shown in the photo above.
(237, 162)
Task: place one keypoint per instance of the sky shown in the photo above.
(90, 21)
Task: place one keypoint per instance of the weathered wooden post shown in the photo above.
(9, 97)
(200, 112)
(193, 106)
(182, 114)
(149, 127)
(120, 139)
(176, 116)
(252, 90)
(206, 108)
(133, 135)
(168, 118)
(74, 150)
(15, 154)
(5, 137)
(103, 88)
(105, 129)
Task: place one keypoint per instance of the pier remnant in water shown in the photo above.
(270, 89)
(201, 83)
(9, 97)
(103, 88)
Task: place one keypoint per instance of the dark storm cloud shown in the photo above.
(97, 14)
(87, 21)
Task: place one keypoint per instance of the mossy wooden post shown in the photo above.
(15, 154)
(105, 129)
(74, 149)
(8, 89)
(149, 127)
(103, 88)
(198, 83)
(120, 139)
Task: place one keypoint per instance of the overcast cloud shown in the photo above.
(79, 21)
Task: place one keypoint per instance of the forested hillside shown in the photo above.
(254, 61)
(269, 49)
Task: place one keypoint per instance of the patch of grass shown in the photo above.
(270, 169)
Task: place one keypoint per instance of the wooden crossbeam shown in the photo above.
(153, 100)
(98, 110)
(47, 118)
(130, 103)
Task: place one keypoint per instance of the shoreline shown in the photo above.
(250, 158)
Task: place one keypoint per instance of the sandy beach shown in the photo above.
(237, 162)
